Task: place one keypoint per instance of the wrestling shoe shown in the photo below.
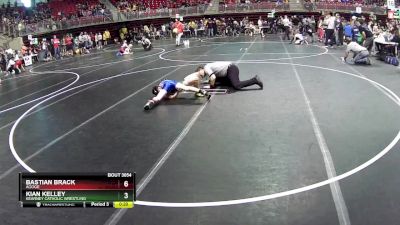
(204, 93)
(259, 82)
(200, 95)
(149, 105)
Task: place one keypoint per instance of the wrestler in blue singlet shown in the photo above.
(169, 86)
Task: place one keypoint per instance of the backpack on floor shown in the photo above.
(395, 61)
(392, 60)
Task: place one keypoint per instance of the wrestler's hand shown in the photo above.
(205, 93)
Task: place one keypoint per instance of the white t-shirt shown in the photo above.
(286, 22)
(219, 69)
(355, 47)
(259, 23)
(331, 23)
(81, 38)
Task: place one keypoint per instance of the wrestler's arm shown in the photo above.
(192, 80)
(346, 54)
(181, 86)
(208, 71)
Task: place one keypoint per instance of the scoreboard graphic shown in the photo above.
(84, 190)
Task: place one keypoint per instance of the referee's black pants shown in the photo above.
(330, 37)
(232, 79)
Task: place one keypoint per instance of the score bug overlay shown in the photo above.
(85, 190)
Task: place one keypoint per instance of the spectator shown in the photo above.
(81, 45)
(56, 45)
(69, 45)
(367, 35)
(348, 30)
(210, 30)
(163, 30)
(330, 30)
(286, 26)
(3, 63)
(106, 37)
(339, 30)
(295, 25)
(63, 46)
(215, 26)
(44, 49)
(99, 42)
(178, 30)
(356, 32)
(193, 28)
(260, 25)
(321, 29)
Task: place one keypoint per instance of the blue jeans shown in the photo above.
(361, 58)
(57, 53)
(210, 32)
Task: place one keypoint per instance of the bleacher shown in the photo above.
(156, 4)
(60, 7)
(376, 6)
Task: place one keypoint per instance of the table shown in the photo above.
(384, 48)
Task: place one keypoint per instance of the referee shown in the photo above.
(226, 73)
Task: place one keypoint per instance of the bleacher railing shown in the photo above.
(160, 13)
(46, 26)
(254, 7)
(340, 7)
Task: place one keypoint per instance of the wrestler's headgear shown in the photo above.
(155, 90)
